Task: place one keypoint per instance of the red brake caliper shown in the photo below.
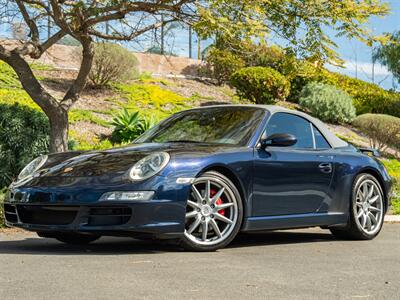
(218, 202)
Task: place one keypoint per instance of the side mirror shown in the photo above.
(279, 140)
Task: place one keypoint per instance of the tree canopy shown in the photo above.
(305, 26)
(301, 24)
(389, 55)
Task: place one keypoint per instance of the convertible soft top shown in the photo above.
(333, 140)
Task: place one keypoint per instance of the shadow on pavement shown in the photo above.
(280, 238)
(129, 246)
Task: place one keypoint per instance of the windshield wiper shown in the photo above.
(183, 141)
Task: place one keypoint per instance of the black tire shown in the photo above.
(353, 229)
(189, 244)
(71, 238)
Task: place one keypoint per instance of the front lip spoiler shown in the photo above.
(157, 228)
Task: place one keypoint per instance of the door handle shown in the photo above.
(330, 157)
(325, 168)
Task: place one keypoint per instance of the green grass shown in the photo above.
(148, 78)
(145, 95)
(81, 141)
(393, 167)
(196, 96)
(76, 115)
(151, 100)
(12, 96)
(41, 67)
(10, 88)
(8, 78)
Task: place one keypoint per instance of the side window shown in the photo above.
(288, 123)
(320, 141)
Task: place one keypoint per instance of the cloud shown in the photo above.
(350, 66)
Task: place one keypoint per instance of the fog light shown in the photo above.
(127, 196)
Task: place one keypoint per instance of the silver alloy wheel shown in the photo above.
(205, 223)
(369, 207)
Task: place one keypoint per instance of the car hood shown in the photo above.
(118, 161)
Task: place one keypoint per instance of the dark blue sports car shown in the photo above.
(203, 175)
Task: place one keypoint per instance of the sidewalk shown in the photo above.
(392, 218)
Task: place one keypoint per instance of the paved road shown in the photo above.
(303, 264)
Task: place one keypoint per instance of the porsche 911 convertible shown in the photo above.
(202, 176)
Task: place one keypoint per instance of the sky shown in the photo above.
(357, 56)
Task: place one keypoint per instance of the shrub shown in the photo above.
(393, 167)
(112, 63)
(327, 103)
(222, 64)
(382, 130)
(264, 56)
(24, 135)
(262, 85)
(302, 74)
(128, 126)
(367, 97)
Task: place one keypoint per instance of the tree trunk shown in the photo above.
(58, 130)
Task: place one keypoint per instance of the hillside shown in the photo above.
(155, 97)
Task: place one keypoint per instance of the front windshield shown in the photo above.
(219, 125)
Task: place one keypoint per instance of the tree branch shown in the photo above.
(31, 24)
(52, 40)
(122, 9)
(133, 35)
(59, 18)
(79, 83)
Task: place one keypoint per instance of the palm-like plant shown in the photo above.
(129, 125)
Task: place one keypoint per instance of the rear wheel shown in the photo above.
(214, 213)
(366, 210)
(71, 238)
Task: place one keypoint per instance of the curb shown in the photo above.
(392, 219)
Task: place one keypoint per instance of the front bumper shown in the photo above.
(112, 219)
(47, 210)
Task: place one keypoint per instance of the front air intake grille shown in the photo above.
(10, 213)
(109, 216)
(47, 215)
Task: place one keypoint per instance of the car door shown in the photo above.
(295, 179)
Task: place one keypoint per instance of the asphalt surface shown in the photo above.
(301, 264)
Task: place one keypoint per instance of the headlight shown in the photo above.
(32, 167)
(149, 166)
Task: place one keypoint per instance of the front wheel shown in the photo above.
(367, 210)
(214, 213)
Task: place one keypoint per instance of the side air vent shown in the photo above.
(10, 213)
(109, 216)
(47, 215)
